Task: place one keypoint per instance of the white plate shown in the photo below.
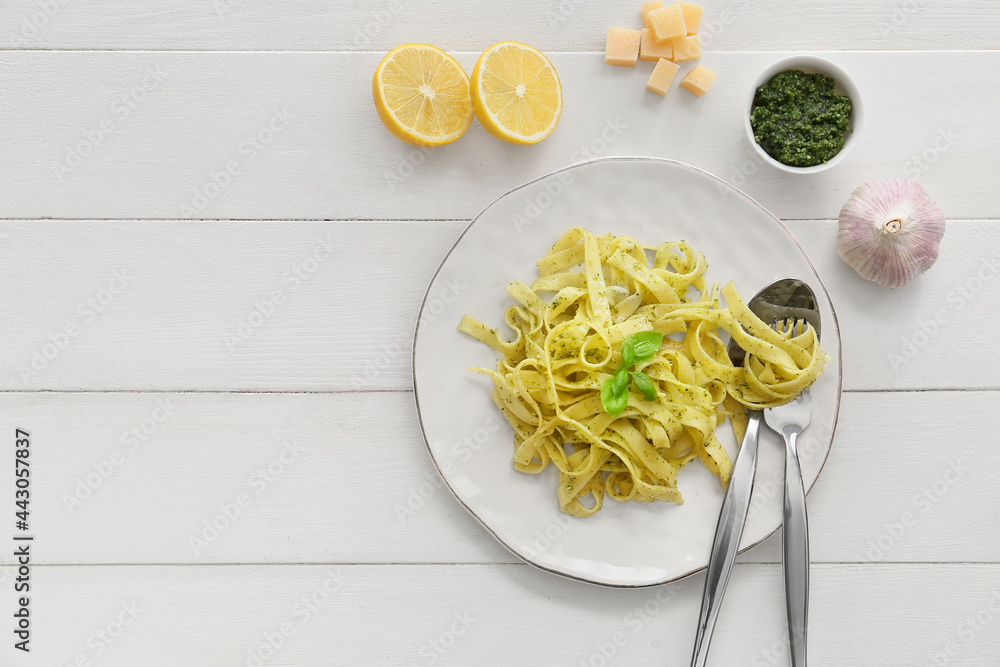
(625, 544)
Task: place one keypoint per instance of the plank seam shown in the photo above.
(982, 390)
(42, 49)
(417, 220)
(865, 564)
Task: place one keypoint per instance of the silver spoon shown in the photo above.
(781, 299)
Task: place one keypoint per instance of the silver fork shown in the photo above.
(788, 421)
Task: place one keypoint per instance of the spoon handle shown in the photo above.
(727, 536)
(795, 556)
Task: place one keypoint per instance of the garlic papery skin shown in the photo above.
(890, 231)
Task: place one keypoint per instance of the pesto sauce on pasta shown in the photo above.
(548, 381)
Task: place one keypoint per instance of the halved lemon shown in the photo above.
(422, 95)
(516, 93)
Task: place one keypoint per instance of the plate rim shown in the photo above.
(575, 165)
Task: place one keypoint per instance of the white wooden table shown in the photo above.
(226, 464)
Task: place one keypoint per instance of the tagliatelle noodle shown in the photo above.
(604, 288)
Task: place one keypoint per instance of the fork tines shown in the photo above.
(793, 328)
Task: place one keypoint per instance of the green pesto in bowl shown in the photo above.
(798, 119)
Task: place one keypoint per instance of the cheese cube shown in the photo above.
(622, 47)
(692, 16)
(686, 48)
(668, 22)
(698, 80)
(650, 49)
(646, 8)
(662, 76)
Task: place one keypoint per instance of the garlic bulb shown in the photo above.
(890, 231)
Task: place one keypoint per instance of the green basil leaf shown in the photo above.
(607, 392)
(628, 354)
(644, 384)
(619, 382)
(613, 403)
(644, 344)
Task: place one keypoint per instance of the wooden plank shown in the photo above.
(564, 25)
(299, 616)
(936, 325)
(197, 306)
(345, 478)
(123, 135)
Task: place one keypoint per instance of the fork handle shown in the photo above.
(727, 536)
(795, 546)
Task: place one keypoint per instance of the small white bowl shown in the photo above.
(844, 85)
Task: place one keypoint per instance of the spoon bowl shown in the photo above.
(787, 298)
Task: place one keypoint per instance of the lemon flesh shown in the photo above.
(422, 95)
(516, 93)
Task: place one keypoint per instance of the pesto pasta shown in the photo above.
(600, 290)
